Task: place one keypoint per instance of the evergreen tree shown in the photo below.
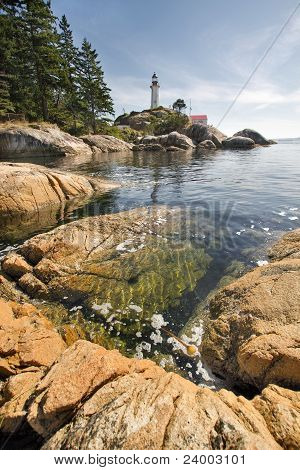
(41, 53)
(179, 105)
(42, 73)
(8, 11)
(69, 99)
(95, 94)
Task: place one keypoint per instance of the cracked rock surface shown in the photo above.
(254, 337)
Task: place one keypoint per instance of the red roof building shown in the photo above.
(199, 119)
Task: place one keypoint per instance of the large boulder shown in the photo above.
(28, 340)
(201, 132)
(27, 188)
(38, 140)
(281, 411)
(174, 140)
(133, 404)
(254, 135)
(207, 144)
(123, 403)
(254, 335)
(148, 148)
(286, 247)
(179, 140)
(106, 143)
(236, 143)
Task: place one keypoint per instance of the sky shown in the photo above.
(201, 50)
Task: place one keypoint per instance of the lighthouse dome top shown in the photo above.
(154, 77)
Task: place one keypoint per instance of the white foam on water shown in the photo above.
(77, 307)
(103, 308)
(262, 262)
(136, 308)
(157, 321)
(156, 337)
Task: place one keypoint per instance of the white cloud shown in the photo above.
(264, 103)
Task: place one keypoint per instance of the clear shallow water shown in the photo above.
(236, 204)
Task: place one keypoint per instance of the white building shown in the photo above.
(154, 92)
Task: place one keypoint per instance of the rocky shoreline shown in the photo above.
(23, 140)
(72, 298)
(57, 387)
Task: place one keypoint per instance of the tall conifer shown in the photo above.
(95, 94)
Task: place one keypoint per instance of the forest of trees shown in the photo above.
(43, 75)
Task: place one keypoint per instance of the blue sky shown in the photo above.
(201, 50)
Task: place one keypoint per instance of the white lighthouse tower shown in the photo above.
(154, 92)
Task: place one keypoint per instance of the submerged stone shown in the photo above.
(114, 271)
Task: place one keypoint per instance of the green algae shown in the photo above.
(114, 299)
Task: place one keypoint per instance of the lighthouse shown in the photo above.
(154, 92)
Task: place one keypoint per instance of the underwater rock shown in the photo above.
(200, 315)
(117, 269)
(254, 335)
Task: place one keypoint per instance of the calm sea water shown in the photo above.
(243, 201)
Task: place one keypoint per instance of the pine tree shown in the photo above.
(94, 92)
(41, 53)
(7, 14)
(70, 106)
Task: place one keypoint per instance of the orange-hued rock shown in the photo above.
(254, 335)
(98, 399)
(31, 188)
(287, 247)
(27, 339)
(13, 396)
(82, 369)
(281, 410)
(16, 265)
(92, 398)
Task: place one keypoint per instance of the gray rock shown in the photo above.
(172, 148)
(242, 143)
(255, 136)
(200, 132)
(179, 140)
(207, 144)
(148, 148)
(39, 140)
(163, 142)
(106, 143)
(150, 139)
